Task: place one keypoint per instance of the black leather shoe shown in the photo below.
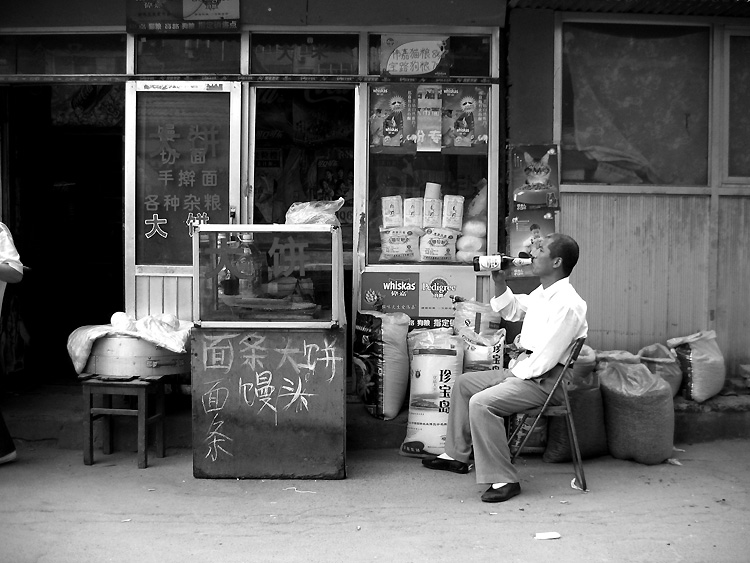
(440, 464)
(502, 494)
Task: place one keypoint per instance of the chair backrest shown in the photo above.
(577, 346)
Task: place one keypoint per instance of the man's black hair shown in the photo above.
(565, 247)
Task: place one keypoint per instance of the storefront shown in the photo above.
(233, 123)
(120, 130)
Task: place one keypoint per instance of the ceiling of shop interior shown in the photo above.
(723, 8)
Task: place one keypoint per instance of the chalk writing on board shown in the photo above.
(270, 378)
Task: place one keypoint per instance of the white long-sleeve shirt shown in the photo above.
(8, 255)
(552, 319)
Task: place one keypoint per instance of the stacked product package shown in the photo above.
(433, 228)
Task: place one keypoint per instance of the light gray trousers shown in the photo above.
(479, 401)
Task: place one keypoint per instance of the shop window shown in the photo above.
(63, 54)
(635, 104)
(465, 56)
(739, 106)
(188, 54)
(304, 151)
(304, 54)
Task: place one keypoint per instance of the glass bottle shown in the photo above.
(228, 282)
(252, 267)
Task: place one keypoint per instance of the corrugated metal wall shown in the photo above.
(644, 265)
(733, 291)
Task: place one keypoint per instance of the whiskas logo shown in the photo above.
(439, 287)
(380, 90)
(399, 285)
(450, 91)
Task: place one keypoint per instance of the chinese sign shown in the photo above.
(182, 171)
(412, 56)
(256, 393)
(183, 16)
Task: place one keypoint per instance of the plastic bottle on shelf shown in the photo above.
(228, 282)
(252, 267)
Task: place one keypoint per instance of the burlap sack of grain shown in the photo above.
(381, 361)
(663, 362)
(588, 417)
(638, 413)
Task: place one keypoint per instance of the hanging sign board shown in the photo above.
(409, 55)
(183, 16)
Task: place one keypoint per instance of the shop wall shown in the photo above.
(530, 76)
(76, 13)
(644, 267)
(733, 305)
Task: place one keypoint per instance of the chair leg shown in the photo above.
(573, 438)
(514, 452)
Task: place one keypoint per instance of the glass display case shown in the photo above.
(268, 276)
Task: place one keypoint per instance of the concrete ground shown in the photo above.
(54, 509)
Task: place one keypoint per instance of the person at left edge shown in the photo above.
(11, 271)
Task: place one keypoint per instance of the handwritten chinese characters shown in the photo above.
(266, 376)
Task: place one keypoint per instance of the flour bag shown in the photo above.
(436, 360)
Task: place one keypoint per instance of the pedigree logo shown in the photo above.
(439, 287)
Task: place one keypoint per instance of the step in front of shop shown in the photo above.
(55, 414)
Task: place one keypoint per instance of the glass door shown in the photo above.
(302, 150)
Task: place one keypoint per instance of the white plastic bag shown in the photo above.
(702, 363)
(314, 212)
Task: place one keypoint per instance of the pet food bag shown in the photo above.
(702, 364)
(537, 442)
(381, 361)
(638, 413)
(663, 362)
(436, 360)
(399, 244)
(477, 316)
(482, 352)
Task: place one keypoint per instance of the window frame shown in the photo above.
(716, 170)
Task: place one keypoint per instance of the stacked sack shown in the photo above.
(638, 409)
(436, 360)
(381, 361)
(480, 328)
(584, 393)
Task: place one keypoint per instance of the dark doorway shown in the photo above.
(65, 184)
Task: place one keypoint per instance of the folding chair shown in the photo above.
(556, 410)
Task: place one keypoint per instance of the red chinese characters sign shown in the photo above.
(182, 171)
